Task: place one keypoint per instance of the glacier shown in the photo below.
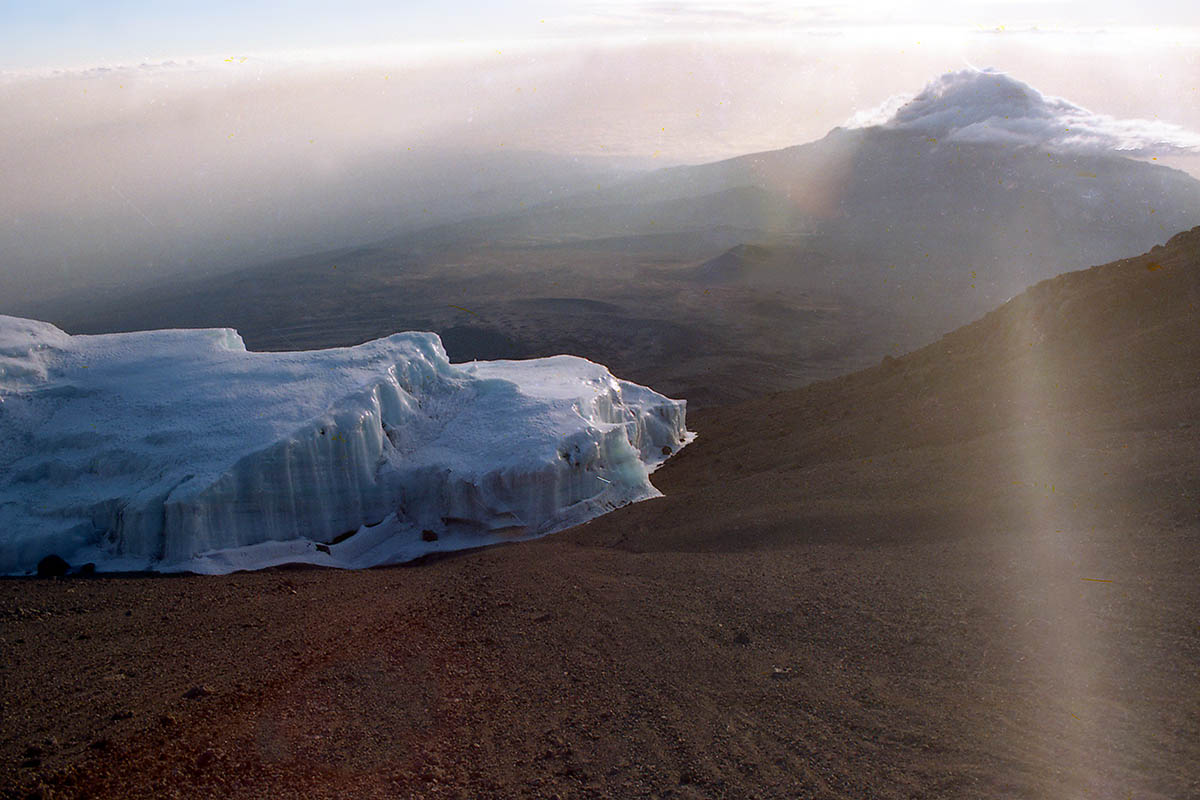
(180, 450)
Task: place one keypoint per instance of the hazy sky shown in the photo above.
(82, 32)
(135, 135)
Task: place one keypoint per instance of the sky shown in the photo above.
(139, 136)
(87, 32)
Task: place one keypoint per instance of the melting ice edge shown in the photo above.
(179, 450)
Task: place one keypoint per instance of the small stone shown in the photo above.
(88, 569)
(34, 751)
(124, 713)
(52, 566)
(428, 535)
(666, 451)
(741, 638)
(166, 720)
(205, 759)
(324, 548)
(100, 744)
(196, 692)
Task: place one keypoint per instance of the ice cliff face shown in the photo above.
(179, 450)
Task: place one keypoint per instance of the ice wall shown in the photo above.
(180, 450)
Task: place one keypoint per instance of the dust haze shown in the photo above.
(120, 175)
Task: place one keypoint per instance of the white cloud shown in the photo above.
(989, 106)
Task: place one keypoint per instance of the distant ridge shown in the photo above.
(1118, 341)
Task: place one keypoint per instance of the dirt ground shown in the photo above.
(968, 572)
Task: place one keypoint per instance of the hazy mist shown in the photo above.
(122, 174)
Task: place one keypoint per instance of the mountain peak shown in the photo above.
(987, 105)
(956, 101)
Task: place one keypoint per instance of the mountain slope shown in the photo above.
(1010, 214)
(1107, 340)
(966, 572)
(1077, 361)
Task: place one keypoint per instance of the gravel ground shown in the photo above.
(969, 572)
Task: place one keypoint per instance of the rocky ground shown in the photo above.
(968, 572)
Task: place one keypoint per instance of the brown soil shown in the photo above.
(969, 572)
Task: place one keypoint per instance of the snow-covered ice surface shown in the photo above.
(179, 450)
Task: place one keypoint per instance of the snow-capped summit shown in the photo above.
(181, 450)
(987, 106)
(952, 103)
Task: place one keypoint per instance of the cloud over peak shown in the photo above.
(990, 106)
